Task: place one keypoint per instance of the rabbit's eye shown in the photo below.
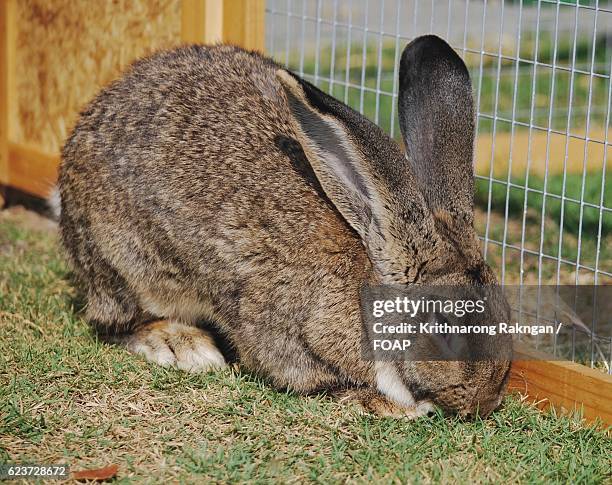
(441, 318)
(416, 274)
(450, 343)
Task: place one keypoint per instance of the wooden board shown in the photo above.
(7, 85)
(201, 21)
(238, 22)
(566, 386)
(244, 23)
(533, 148)
(32, 170)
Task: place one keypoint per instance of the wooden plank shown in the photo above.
(238, 22)
(255, 26)
(192, 21)
(7, 86)
(32, 170)
(566, 386)
(536, 154)
(244, 23)
(202, 21)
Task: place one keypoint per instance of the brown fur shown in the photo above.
(172, 343)
(371, 401)
(187, 195)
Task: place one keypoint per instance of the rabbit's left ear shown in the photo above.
(436, 113)
(339, 165)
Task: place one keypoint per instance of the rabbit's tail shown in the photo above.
(54, 204)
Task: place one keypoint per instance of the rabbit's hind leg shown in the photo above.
(167, 342)
(170, 343)
(115, 311)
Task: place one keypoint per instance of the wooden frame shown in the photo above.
(564, 385)
(239, 22)
(7, 86)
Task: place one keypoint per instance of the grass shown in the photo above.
(569, 212)
(65, 397)
(554, 206)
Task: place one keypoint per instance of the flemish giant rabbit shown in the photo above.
(208, 183)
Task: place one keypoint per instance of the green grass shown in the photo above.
(65, 397)
(555, 211)
(554, 205)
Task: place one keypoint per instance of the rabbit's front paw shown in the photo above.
(170, 343)
(371, 401)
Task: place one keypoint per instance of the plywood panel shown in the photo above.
(67, 49)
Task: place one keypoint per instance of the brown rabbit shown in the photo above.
(210, 184)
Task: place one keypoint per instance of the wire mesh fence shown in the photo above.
(541, 77)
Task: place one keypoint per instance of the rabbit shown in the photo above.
(210, 184)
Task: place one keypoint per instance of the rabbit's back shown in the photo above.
(184, 179)
(203, 108)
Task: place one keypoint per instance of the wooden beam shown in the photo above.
(566, 386)
(32, 170)
(542, 143)
(7, 86)
(202, 21)
(244, 23)
(238, 22)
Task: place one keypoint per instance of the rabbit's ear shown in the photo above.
(436, 114)
(335, 159)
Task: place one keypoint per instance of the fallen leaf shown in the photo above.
(96, 474)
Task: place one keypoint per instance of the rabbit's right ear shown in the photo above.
(338, 164)
(436, 113)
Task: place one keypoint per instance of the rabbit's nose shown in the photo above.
(484, 408)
